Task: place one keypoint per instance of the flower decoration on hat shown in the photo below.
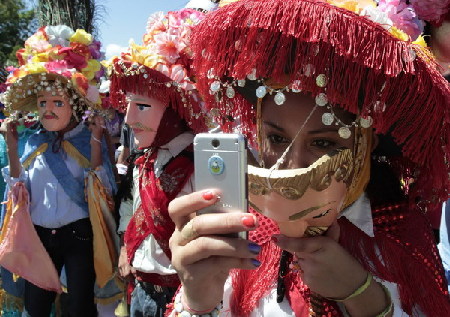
(161, 67)
(57, 59)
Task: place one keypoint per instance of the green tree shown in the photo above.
(16, 25)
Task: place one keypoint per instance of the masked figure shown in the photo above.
(153, 85)
(346, 118)
(63, 179)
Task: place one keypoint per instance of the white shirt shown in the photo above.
(149, 257)
(50, 206)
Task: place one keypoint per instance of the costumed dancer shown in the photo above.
(64, 179)
(153, 84)
(350, 121)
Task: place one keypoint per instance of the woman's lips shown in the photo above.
(49, 117)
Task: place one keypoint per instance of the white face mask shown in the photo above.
(303, 199)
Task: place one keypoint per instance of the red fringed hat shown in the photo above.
(345, 58)
(161, 68)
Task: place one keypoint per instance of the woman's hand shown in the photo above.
(125, 269)
(97, 127)
(330, 271)
(201, 254)
(9, 130)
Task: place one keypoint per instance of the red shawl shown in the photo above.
(152, 216)
(406, 245)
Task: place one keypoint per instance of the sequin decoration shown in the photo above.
(296, 86)
(309, 70)
(230, 92)
(344, 132)
(261, 91)
(241, 83)
(321, 99)
(215, 86)
(366, 122)
(252, 75)
(327, 118)
(321, 80)
(279, 98)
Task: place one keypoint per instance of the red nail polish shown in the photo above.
(208, 195)
(248, 221)
(274, 239)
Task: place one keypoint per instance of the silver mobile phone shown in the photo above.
(220, 161)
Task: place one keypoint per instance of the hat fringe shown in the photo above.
(401, 87)
(156, 85)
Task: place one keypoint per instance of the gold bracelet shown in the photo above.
(357, 292)
(389, 308)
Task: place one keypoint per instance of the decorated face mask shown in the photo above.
(314, 172)
(55, 110)
(144, 116)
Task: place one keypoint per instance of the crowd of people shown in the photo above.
(346, 111)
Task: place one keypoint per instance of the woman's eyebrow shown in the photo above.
(273, 125)
(324, 130)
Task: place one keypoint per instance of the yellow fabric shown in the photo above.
(105, 245)
(10, 302)
(75, 154)
(362, 153)
(41, 149)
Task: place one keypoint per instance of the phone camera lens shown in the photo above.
(215, 143)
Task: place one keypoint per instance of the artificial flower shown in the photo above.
(92, 94)
(35, 68)
(59, 67)
(169, 46)
(403, 17)
(73, 59)
(59, 35)
(80, 81)
(92, 67)
(94, 49)
(377, 16)
(396, 32)
(421, 41)
(155, 22)
(431, 10)
(81, 36)
(40, 57)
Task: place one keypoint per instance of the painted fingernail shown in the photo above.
(254, 248)
(256, 263)
(276, 238)
(208, 195)
(248, 221)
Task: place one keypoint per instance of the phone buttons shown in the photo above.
(216, 165)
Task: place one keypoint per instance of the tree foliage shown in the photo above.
(78, 14)
(16, 25)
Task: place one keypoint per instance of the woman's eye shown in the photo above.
(277, 139)
(322, 214)
(143, 106)
(59, 103)
(42, 104)
(323, 143)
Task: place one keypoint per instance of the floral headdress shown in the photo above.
(341, 57)
(57, 59)
(161, 67)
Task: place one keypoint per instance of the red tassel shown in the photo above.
(406, 96)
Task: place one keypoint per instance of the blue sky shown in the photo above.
(125, 19)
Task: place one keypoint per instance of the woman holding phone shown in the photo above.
(348, 120)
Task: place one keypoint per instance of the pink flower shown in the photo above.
(431, 10)
(403, 16)
(73, 59)
(155, 22)
(169, 46)
(59, 67)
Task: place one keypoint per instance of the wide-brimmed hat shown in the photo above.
(68, 59)
(161, 67)
(344, 53)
